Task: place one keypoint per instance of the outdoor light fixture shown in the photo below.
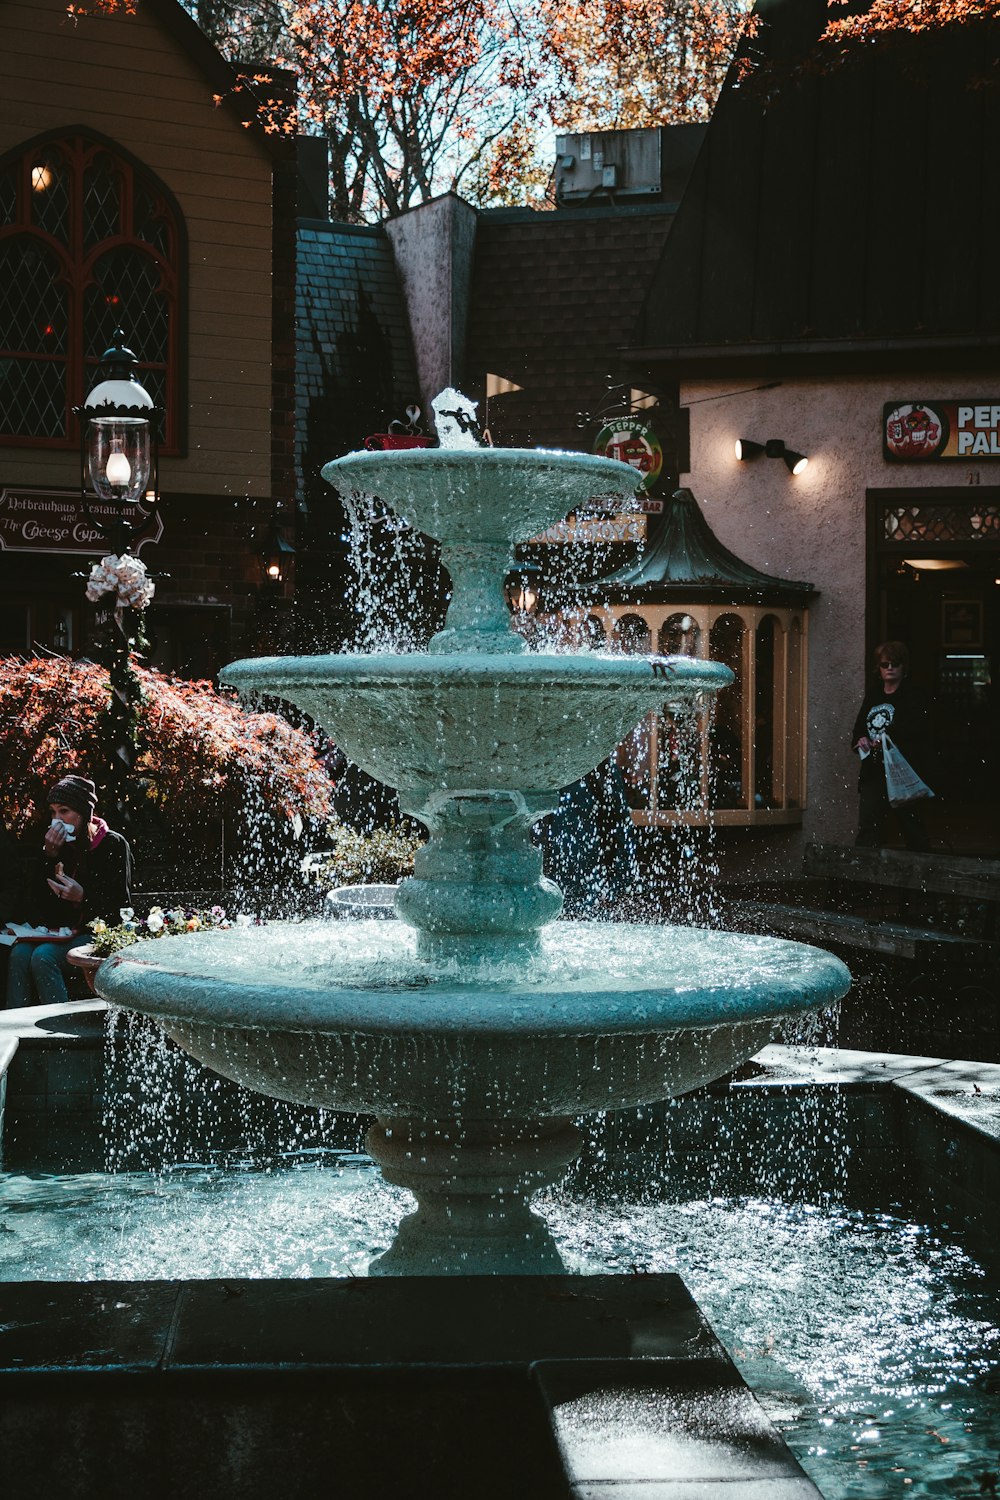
(796, 463)
(520, 589)
(276, 556)
(118, 449)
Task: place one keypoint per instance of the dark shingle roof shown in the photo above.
(554, 297)
(853, 216)
(354, 360)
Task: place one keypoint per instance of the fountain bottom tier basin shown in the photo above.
(474, 1075)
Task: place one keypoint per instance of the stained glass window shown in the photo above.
(933, 522)
(89, 242)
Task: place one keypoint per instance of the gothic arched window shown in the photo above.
(89, 241)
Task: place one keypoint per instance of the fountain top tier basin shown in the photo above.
(478, 502)
(490, 495)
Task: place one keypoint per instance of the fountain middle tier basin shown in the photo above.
(350, 1017)
(428, 724)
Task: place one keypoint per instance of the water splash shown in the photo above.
(395, 574)
(455, 419)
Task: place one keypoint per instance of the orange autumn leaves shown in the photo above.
(202, 756)
(417, 96)
(884, 17)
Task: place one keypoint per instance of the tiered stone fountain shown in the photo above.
(475, 1027)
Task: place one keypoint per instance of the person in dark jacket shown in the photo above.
(84, 871)
(892, 706)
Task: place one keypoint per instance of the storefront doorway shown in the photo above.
(934, 582)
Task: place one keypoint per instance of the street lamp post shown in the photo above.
(119, 466)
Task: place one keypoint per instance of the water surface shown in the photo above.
(872, 1341)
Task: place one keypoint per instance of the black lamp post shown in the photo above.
(119, 467)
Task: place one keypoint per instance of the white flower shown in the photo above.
(155, 921)
(124, 576)
(243, 920)
(126, 913)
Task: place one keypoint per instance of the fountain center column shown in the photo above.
(472, 1180)
(478, 618)
(477, 889)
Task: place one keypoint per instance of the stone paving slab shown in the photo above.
(85, 1325)
(698, 1489)
(456, 1386)
(441, 1320)
(78, 1023)
(297, 1434)
(805, 1065)
(631, 1422)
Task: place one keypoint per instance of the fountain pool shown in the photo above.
(808, 1217)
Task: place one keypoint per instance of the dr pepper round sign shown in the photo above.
(925, 431)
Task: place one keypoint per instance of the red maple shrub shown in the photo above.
(204, 761)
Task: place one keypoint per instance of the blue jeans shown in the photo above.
(36, 973)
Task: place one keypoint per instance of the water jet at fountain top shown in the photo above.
(476, 1047)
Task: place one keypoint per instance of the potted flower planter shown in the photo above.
(85, 959)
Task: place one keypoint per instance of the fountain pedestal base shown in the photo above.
(472, 1180)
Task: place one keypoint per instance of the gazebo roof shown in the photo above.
(688, 563)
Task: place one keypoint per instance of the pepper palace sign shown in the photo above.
(54, 521)
(935, 431)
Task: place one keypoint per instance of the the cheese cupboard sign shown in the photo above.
(926, 431)
(54, 521)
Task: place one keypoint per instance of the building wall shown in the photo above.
(555, 297)
(127, 77)
(813, 528)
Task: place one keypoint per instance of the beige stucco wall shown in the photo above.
(126, 78)
(813, 527)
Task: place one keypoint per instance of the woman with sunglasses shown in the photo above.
(895, 707)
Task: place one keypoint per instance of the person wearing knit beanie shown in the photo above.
(77, 792)
(83, 870)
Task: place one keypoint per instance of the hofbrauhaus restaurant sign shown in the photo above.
(55, 521)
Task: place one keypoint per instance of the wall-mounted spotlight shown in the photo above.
(773, 448)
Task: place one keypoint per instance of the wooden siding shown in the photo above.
(128, 79)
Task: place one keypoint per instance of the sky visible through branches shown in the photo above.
(416, 97)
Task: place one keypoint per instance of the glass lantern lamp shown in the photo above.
(521, 589)
(118, 450)
(276, 557)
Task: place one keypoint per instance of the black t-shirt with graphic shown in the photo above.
(903, 716)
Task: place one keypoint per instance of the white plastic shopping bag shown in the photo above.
(902, 783)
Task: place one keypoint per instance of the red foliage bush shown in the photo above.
(203, 758)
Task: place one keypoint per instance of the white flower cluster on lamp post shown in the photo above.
(126, 577)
